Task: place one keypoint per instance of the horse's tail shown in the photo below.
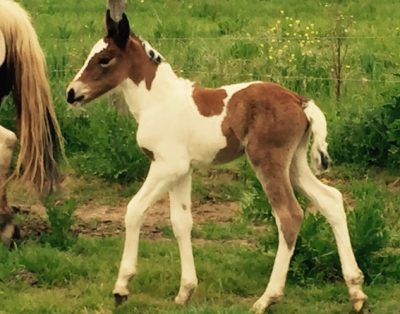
(39, 132)
(319, 149)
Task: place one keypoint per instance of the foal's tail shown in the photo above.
(319, 149)
(39, 132)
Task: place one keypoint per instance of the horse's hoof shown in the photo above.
(9, 234)
(119, 299)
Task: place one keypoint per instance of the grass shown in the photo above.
(232, 261)
(230, 37)
(213, 43)
(231, 278)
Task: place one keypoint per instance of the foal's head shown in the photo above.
(119, 56)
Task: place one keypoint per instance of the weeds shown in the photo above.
(61, 219)
(372, 138)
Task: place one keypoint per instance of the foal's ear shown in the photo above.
(118, 31)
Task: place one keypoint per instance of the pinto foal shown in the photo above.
(181, 123)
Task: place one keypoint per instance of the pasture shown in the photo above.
(68, 263)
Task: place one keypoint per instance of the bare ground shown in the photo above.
(104, 220)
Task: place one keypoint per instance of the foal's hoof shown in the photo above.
(264, 303)
(119, 299)
(360, 306)
(185, 293)
(359, 301)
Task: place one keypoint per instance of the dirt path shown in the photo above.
(104, 220)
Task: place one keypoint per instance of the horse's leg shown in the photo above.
(181, 219)
(162, 175)
(272, 169)
(329, 202)
(7, 144)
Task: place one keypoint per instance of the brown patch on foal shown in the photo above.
(142, 68)
(268, 122)
(210, 102)
(131, 62)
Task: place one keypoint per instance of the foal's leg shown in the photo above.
(273, 173)
(7, 144)
(162, 175)
(181, 219)
(330, 203)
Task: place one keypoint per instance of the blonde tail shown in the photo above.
(39, 133)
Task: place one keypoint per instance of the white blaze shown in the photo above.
(99, 46)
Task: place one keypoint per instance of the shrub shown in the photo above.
(61, 219)
(372, 138)
(316, 259)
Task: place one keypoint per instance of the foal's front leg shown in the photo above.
(159, 180)
(181, 219)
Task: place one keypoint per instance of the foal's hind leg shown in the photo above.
(273, 173)
(7, 144)
(330, 203)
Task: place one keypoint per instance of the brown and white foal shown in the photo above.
(181, 124)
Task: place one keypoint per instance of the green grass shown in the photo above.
(213, 43)
(232, 260)
(231, 278)
(225, 42)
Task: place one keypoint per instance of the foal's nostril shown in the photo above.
(71, 96)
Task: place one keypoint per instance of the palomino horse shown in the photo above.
(181, 123)
(23, 72)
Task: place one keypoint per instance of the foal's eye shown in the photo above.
(105, 62)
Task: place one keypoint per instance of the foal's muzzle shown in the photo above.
(72, 97)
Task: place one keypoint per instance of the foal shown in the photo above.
(181, 124)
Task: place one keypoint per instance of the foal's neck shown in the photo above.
(166, 88)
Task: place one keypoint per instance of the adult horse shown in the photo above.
(181, 123)
(23, 73)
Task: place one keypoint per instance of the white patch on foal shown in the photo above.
(153, 54)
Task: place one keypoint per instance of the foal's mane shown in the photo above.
(39, 133)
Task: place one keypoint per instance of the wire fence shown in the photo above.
(273, 77)
(259, 37)
(362, 80)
